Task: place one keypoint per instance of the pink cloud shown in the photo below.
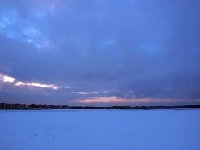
(133, 101)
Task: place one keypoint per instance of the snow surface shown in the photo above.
(100, 130)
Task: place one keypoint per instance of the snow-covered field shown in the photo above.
(100, 130)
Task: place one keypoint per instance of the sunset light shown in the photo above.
(6, 78)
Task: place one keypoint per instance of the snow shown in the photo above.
(100, 129)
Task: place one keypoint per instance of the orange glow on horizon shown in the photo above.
(114, 99)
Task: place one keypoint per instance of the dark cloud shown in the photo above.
(149, 47)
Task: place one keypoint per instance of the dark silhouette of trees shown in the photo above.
(45, 106)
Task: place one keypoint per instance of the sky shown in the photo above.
(100, 52)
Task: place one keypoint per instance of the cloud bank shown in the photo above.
(58, 51)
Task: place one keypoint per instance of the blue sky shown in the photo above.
(100, 52)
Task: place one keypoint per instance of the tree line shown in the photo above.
(45, 106)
